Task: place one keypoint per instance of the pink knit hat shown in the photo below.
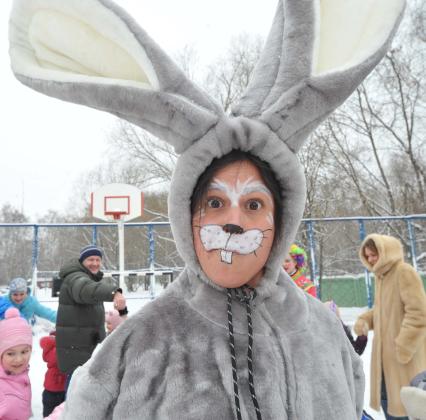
(14, 331)
(113, 318)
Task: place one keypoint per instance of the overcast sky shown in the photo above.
(47, 144)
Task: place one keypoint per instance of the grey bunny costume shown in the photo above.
(172, 359)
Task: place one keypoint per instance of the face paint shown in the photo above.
(214, 237)
(289, 265)
(234, 193)
(234, 234)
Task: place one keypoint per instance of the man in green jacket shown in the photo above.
(80, 324)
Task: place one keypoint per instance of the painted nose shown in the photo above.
(230, 228)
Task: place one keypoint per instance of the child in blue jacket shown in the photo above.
(20, 297)
(4, 304)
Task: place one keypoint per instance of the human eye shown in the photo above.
(214, 203)
(254, 204)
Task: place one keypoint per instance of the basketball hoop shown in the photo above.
(114, 202)
(119, 203)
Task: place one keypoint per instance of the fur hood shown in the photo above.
(390, 253)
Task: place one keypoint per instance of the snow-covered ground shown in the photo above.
(134, 302)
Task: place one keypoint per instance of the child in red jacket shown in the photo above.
(54, 379)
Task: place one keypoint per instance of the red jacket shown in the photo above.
(304, 283)
(54, 379)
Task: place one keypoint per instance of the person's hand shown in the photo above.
(361, 327)
(119, 301)
(403, 356)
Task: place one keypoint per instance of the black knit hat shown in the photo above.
(89, 251)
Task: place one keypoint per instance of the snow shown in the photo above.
(134, 302)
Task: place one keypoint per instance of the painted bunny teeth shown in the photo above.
(214, 237)
(226, 256)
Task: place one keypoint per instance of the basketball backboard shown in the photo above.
(116, 202)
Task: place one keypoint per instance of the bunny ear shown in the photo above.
(317, 53)
(92, 52)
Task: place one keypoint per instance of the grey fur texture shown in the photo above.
(414, 400)
(172, 358)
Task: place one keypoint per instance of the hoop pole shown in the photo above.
(120, 227)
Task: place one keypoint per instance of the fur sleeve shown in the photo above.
(96, 385)
(359, 381)
(87, 397)
(413, 297)
(354, 375)
(364, 323)
(368, 318)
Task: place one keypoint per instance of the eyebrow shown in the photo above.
(255, 187)
(252, 186)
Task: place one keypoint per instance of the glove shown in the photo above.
(361, 327)
(403, 356)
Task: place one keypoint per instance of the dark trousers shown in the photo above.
(384, 402)
(51, 400)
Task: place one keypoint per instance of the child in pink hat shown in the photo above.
(113, 319)
(15, 352)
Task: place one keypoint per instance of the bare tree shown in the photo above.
(379, 132)
(151, 158)
(229, 76)
(187, 59)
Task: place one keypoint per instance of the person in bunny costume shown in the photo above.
(233, 336)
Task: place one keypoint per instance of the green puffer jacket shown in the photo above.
(80, 324)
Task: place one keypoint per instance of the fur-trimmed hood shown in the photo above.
(390, 252)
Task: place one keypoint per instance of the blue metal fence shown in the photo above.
(314, 234)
